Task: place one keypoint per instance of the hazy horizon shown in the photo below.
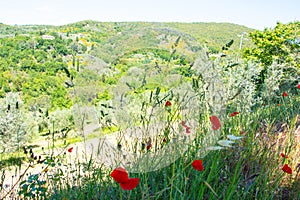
(120, 22)
(254, 14)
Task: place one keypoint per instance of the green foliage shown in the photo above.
(33, 188)
(183, 70)
(16, 125)
(29, 53)
(104, 95)
(30, 62)
(111, 80)
(280, 44)
(214, 35)
(52, 86)
(248, 168)
(60, 121)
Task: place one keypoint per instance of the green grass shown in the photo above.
(249, 170)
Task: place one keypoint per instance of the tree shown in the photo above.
(280, 45)
(15, 124)
(60, 121)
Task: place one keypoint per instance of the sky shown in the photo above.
(257, 14)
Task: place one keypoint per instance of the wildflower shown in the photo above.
(187, 130)
(278, 104)
(168, 103)
(164, 140)
(234, 114)
(215, 122)
(183, 123)
(298, 86)
(149, 145)
(287, 169)
(70, 150)
(285, 94)
(197, 165)
(284, 156)
(120, 175)
(130, 184)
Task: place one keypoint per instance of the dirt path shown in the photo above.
(106, 144)
(104, 150)
(12, 175)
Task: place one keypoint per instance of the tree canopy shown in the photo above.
(281, 44)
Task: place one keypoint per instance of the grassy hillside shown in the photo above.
(30, 52)
(174, 104)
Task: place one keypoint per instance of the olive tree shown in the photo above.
(16, 125)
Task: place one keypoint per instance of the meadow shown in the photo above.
(169, 118)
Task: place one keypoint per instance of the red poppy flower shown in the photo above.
(188, 130)
(70, 150)
(164, 140)
(130, 184)
(215, 122)
(183, 123)
(197, 165)
(284, 156)
(285, 94)
(120, 175)
(287, 169)
(168, 103)
(149, 144)
(298, 86)
(278, 104)
(234, 114)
